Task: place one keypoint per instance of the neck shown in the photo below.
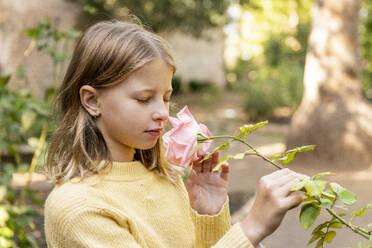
(125, 155)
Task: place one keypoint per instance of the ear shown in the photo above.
(89, 100)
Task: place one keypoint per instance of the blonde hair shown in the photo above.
(107, 53)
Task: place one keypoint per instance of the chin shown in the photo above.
(147, 146)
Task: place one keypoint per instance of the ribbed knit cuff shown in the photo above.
(209, 229)
(234, 238)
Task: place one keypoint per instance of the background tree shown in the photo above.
(333, 114)
(160, 15)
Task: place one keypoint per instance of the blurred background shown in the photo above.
(304, 65)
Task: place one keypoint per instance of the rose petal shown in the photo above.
(174, 121)
(181, 141)
(185, 116)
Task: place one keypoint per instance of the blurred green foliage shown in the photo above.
(188, 15)
(21, 118)
(16, 216)
(54, 43)
(272, 78)
(23, 124)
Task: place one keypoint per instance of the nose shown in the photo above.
(161, 112)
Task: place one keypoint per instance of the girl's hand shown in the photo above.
(273, 199)
(207, 190)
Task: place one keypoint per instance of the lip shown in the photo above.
(154, 132)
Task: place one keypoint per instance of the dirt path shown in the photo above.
(270, 140)
(223, 117)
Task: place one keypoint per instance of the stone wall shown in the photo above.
(17, 15)
(196, 59)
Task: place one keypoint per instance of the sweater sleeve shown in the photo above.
(89, 227)
(73, 220)
(215, 231)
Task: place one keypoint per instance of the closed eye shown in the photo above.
(143, 100)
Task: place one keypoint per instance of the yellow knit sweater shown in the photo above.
(133, 207)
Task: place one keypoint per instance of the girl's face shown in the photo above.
(134, 112)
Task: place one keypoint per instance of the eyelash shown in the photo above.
(147, 100)
(143, 100)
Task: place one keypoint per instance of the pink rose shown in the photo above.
(181, 141)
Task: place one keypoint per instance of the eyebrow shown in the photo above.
(150, 90)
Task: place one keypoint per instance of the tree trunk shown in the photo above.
(333, 114)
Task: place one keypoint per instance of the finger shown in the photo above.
(276, 174)
(225, 168)
(284, 179)
(215, 159)
(285, 189)
(207, 164)
(293, 201)
(197, 166)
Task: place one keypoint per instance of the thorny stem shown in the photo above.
(355, 229)
(244, 142)
(358, 230)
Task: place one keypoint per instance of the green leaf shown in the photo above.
(90, 9)
(315, 237)
(33, 142)
(320, 227)
(223, 146)
(325, 203)
(247, 129)
(302, 148)
(276, 157)
(314, 187)
(289, 155)
(221, 162)
(28, 118)
(346, 196)
(6, 242)
(6, 232)
(362, 211)
(308, 198)
(73, 34)
(341, 207)
(4, 216)
(288, 158)
(309, 213)
(369, 225)
(329, 236)
(2, 192)
(329, 193)
(319, 244)
(336, 188)
(239, 156)
(323, 174)
(298, 186)
(336, 225)
(4, 79)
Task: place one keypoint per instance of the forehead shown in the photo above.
(154, 74)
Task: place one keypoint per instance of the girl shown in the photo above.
(113, 185)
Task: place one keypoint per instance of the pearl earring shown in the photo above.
(96, 115)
